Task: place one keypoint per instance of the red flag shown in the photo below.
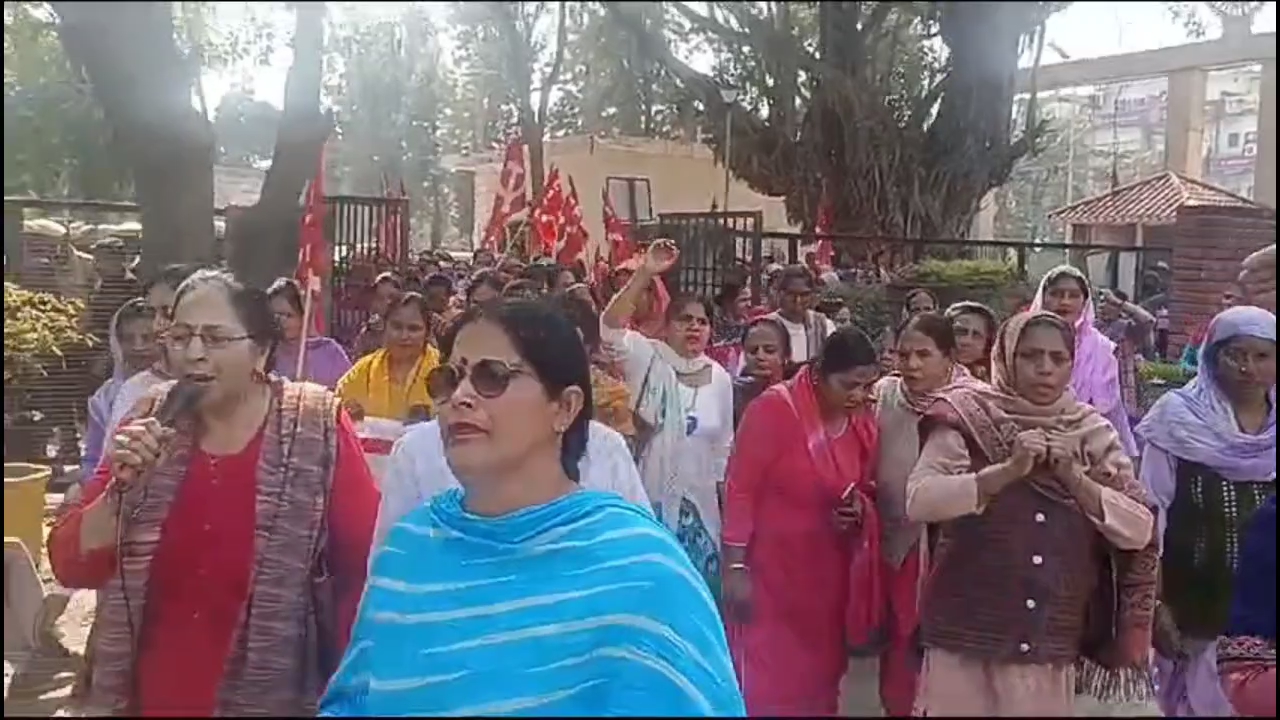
(313, 254)
(549, 216)
(616, 232)
(824, 225)
(509, 200)
(575, 232)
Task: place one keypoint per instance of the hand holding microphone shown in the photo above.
(139, 445)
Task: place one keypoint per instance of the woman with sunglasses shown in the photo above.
(684, 402)
(391, 383)
(522, 592)
(418, 470)
(229, 544)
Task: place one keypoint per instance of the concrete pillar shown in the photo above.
(983, 226)
(1184, 136)
(1264, 163)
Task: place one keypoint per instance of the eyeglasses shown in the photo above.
(490, 378)
(179, 339)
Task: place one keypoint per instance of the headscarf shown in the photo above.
(1095, 353)
(993, 415)
(104, 397)
(653, 321)
(981, 369)
(1197, 422)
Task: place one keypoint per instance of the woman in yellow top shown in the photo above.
(392, 382)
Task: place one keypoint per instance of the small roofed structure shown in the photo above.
(1173, 235)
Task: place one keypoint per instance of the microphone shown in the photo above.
(181, 402)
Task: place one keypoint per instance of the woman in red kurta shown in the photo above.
(244, 546)
(801, 536)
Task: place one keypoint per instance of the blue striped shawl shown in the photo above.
(582, 606)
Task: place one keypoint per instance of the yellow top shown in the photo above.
(369, 383)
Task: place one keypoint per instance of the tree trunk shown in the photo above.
(143, 83)
(263, 241)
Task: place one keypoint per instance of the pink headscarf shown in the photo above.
(1095, 375)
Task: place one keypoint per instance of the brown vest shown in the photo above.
(274, 667)
(1013, 583)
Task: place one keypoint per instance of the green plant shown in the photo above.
(967, 273)
(1162, 372)
(38, 328)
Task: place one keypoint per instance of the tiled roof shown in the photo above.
(1153, 201)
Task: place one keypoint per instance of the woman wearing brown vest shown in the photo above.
(1045, 550)
(229, 550)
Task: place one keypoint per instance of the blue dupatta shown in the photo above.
(582, 606)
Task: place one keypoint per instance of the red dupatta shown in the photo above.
(846, 465)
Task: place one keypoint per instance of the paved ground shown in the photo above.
(43, 688)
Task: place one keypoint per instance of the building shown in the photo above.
(1129, 119)
(644, 177)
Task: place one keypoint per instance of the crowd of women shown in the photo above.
(670, 507)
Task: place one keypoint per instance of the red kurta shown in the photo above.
(200, 574)
(791, 655)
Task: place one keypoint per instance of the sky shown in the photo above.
(1083, 30)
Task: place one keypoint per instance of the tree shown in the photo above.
(56, 141)
(509, 38)
(858, 98)
(1234, 18)
(245, 129)
(144, 82)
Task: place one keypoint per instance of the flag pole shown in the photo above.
(306, 331)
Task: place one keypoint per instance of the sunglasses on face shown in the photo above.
(490, 378)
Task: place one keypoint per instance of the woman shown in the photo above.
(133, 350)
(230, 586)
(1209, 459)
(384, 289)
(926, 346)
(1129, 326)
(808, 327)
(729, 324)
(418, 471)
(766, 352)
(391, 383)
(158, 294)
(1095, 375)
(916, 301)
(1235, 676)
(1041, 517)
(522, 593)
(324, 361)
(685, 402)
(801, 540)
(974, 326)
(485, 286)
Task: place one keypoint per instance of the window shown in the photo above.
(1233, 140)
(631, 199)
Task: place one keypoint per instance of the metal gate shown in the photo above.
(711, 245)
(367, 236)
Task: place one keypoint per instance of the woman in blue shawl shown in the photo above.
(521, 594)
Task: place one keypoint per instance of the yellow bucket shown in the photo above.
(24, 487)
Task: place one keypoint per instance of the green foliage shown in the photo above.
(1163, 373)
(961, 273)
(56, 142)
(871, 308)
(37, 327)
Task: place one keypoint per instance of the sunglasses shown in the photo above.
(490, 378)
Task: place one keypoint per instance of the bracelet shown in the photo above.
(739, 566)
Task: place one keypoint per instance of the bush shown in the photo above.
(38, 328)
(1162, 373)
(963, 273)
